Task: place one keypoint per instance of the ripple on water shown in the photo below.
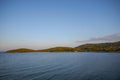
(66, 66)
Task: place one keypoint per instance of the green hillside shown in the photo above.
(104, 47)
(108, 47)
(20, 50)
(58, 49)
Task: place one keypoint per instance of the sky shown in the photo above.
(40, 24)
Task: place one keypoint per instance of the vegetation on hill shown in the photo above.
(106, 47)
(20, 50)
(58, 49)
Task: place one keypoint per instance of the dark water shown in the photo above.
(60, 66)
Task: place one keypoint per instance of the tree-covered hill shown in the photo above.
(108, 47)
(58, 49)
(20, 50)
(105, 47)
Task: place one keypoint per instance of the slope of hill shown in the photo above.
(106, 47)
(58, 49)
(20, 50)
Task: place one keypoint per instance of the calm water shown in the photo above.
(60, 66)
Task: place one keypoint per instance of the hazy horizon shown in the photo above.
(41, 24)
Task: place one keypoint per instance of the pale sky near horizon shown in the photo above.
(39, 24)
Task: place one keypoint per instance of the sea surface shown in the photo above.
(60, 66)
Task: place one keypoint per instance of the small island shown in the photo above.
(98, 47)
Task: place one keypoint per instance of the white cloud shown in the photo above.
(109, 38)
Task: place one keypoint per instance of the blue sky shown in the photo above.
(39, 24)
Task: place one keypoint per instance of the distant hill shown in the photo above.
(58, 49)
(105, 47)
(55, 49)
(20, 50)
